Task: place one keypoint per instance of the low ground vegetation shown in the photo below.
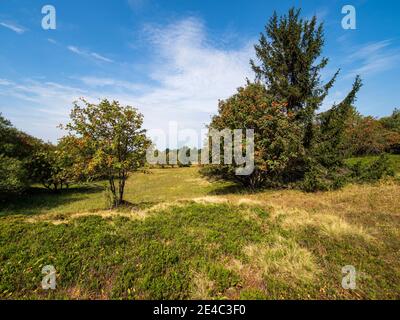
(183, 237)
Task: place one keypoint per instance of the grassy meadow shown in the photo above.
(183, 237)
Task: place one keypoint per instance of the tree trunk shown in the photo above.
(113, 192)
(122, 188)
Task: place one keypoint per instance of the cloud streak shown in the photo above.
(373, 58)
(14, 27)
(88, 54)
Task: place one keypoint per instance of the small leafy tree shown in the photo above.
(366, 136)
(112, 140)
(277, 137)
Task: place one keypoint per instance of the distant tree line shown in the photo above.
(372, 136)
(172, 159)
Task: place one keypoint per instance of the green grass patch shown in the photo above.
(208, 250)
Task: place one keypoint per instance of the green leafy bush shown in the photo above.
(374, 171)
(318, 178)
(12, 176)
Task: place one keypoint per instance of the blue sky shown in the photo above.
(173, 59)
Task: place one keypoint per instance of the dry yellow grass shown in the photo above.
(283, 259)
(329, 223)
(210, 199)
(251, 274)
(201, 287)
(352, 210)
(382, 197)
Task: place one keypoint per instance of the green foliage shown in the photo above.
(364, 136)
(53, 167)
(370, 136)
(111, 141)
(394, 161)
(325, 166)
(330, 131)
(277, 136)
(187, 153)
(182, 158)
(16, 148)
(373, 171)
(292, 142)
(392, 125)
(15, 143)
(318, 178)
(392, 122)
(13, 176)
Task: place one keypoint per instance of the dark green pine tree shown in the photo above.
(289, 52)
(328, 147)
(290, 63)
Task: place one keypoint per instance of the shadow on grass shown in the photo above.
(128, 206)
(36, 200)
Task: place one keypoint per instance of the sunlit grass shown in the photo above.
(142, 190)
(182, 237)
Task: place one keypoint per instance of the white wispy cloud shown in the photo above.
(37, 107)
(89, 54)
(49, 95)
(5, 82)
(52, 41)
(189, 74)
(193, 73)
(373, 58)
(14, 27)
(75, 50)
(100, 57)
